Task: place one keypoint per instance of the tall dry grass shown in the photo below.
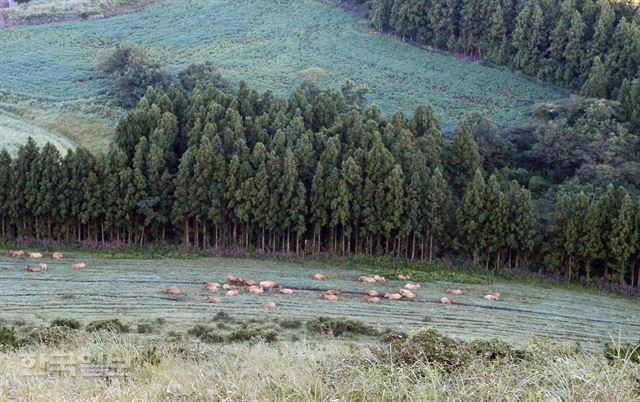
(312, 370)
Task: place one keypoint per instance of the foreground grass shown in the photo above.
(312, 369)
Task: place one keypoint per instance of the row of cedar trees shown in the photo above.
(314, 173)
(587, 45)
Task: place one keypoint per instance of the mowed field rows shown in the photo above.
(271, 44)
(133, 290)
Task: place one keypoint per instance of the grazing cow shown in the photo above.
(173, 292)
(372, 299)
(226, 286)
(379, 278)
(268, 305)
(371, 293)
(330, 297)
(268, 285)
(256, 290)
(79, 265)
(367, 279)
(33, 269)
(16, 253)
(404, 277)
(407, 294)
(212, 286)
(35, 256)
(492, 297)
(393, 296)
(233, 292)
(234, 280)
(333, 292)
(249, 282)
(321, 277)
(446, 300)
(455, 291)
(214, 300)
(58, 256)
(412, 286)
(286, 291)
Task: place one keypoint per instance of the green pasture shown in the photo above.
(269, 43)
(133, 290)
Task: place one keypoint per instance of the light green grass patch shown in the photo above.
(15, 132)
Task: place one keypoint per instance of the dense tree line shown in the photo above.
(317, 172)
(587, 45)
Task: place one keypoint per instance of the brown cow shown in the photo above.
(35, 256)
(79, 265)
(256, 290)
(214, 300)
(233, 292)
(249, 282)
(407, 294)
(492, 297)
(16, 253)
(412, 286)
(234, 280)
(268, 285)
(393, 296)
(212, 286)
(286, 291)
(371, 293)
(33, 269)
(58, 256)
(457, 292)
(333, 292)
(379, 278)
(173, 292)
(446, 300)
(372, 299)
(330, 297)
(404, 277)
(366, 279)
(321, 277)
(268, 305)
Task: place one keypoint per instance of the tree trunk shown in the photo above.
(431, 246)
(413, 246)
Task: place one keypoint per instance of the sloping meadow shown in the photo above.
(133, 290)
(273, 45)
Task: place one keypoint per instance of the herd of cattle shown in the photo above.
(235, 283)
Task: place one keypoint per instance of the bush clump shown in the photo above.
(206, 334)
(339, 327)
(8, 338)
(113, 325)
(429, 346)
(495, 349)
(290, 323)
(253, 334)
(53, 335)
(66, 323)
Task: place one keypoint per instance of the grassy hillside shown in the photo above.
(134, 289)
(270, 43)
